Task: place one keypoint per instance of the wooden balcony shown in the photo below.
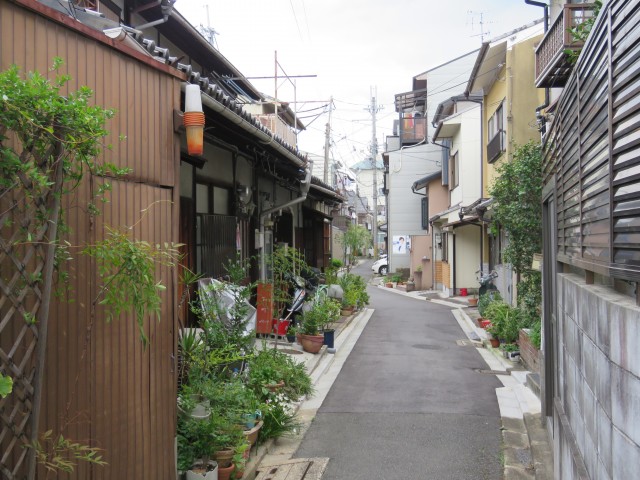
(552, 62)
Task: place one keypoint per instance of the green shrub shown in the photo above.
(535, 334)
(323, 311)
(485, 299)
(504, 321)
(530, 298)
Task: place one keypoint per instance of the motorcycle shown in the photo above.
(486, 282)
(302, 289)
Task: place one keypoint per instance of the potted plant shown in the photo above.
(240, 458)
(291, 334)
(473, 300)
(504, 321)
(511, 351)
(194, 448)
(410, 285)
(323, 311)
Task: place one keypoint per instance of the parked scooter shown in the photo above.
(486, 281)
(302, 289)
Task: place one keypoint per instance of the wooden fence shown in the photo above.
(592, 151)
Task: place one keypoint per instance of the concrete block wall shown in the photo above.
(597, 411)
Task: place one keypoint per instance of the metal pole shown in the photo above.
(326, 144)
(374, 154)
(275, 120)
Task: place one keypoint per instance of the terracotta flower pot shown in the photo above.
(274, 387)
(252, 435)
(224, 473)
(224, 458)
(311, 343)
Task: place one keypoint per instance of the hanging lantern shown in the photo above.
(194, 120)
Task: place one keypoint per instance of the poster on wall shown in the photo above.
(401, 244)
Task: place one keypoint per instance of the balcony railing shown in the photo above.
(495, 147)
(552, 62)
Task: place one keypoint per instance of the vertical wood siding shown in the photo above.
(120, 396)
(592, 150)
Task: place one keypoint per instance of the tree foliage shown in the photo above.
(517, 194)
(357, 238)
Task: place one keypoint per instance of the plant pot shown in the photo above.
(240, 468)
(329, 336)
(198, 472)
(274, 387)
(495, 343)
(473, 302)
(224, 473)
(311, 343)
(201, 410)
(252, 435)
(484, 323)
(224, 458)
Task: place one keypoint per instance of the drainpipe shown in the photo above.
(455, 264)
(304, 189)
(539, 118)
(546, 11)
(167, 10)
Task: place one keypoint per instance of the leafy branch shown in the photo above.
(60, 454)
(580, 32)
(127, 268)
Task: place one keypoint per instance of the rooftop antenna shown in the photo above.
(481, 22)
(208, 32)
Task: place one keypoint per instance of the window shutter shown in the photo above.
(425, 213)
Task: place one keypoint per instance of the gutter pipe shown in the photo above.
(540, 119)
(167, 10)
(247, 126)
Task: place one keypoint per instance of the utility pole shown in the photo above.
(327, 141)
(373, 109)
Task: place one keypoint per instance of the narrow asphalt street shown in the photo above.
(410, 401)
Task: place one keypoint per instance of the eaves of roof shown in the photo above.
(326, 190)
(424, 181)
(180, 32)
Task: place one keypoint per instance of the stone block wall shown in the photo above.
(597, 411)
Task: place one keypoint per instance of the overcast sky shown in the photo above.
(352, 46)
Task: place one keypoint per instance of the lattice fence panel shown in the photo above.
(22, 259)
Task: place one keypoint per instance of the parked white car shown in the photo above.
(381, 265)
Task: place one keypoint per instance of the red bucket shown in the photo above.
(280, 328)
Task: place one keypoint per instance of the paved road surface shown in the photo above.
(409, 402)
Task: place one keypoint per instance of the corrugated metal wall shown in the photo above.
(119, 396)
